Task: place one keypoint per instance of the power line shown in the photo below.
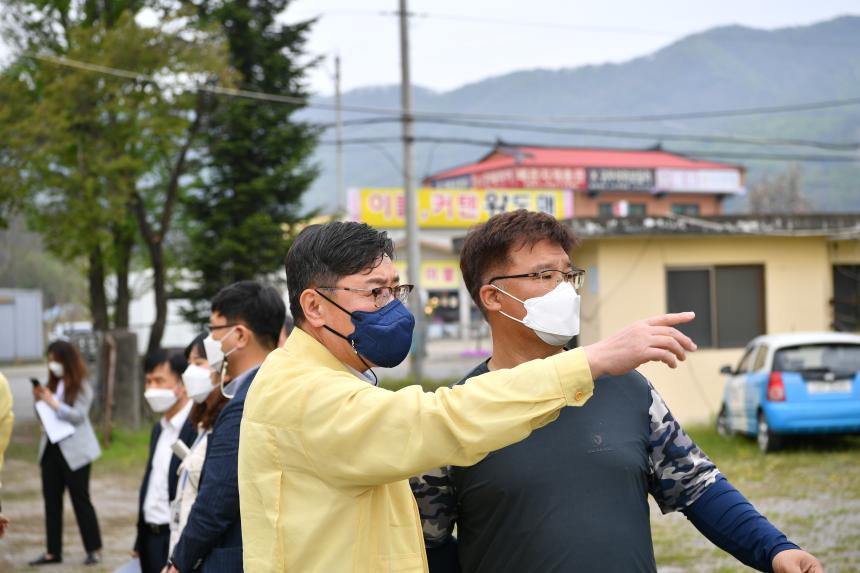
(396, 112)
(703, 138)
(696, 154)
(542, 24)
(565, 26)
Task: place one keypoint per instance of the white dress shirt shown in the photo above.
(156, 503)
(363, 376)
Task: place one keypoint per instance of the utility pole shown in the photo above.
(413, 252)
(338, 121)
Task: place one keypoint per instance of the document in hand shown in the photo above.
(132, 566)
(55, 428)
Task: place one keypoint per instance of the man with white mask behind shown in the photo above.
(573, 496)
(165, 394)
(244, 327)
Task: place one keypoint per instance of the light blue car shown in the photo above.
(789, 384)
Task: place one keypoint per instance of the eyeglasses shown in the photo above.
(550, 277)
(213, 327)
(381, 295)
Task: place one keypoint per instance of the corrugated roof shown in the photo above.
(511, 155)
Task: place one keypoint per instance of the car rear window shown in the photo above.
(811, 359)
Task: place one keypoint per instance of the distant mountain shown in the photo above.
(723, 68)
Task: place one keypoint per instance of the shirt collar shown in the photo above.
(178, 419)
(363, 376)
(233, 385)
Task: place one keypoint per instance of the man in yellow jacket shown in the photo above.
(7, 418)
(324, 454)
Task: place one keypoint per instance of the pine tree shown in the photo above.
(256, 164)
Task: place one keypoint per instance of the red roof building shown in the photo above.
(605, 182)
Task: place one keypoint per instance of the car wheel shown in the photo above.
(723, 427)
(767, 441)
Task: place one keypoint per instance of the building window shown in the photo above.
(687, 209)
(846, 298)
(605, 210)
(621, 209)
(728, 302)
(636, 210)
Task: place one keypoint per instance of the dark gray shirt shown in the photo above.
(573, 496)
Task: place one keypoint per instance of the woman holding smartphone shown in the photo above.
(67, 463)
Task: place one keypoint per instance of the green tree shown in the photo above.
(95, 158)
(257, 156)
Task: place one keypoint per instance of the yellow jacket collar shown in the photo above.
(309, 348)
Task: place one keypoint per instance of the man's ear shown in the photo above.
(491, 298)
(310, 301)
(244, 336)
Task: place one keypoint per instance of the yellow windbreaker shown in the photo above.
(324, 457)
(7, 418)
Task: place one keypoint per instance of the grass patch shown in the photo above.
(128, 450)
(810, 490)
(429, 385)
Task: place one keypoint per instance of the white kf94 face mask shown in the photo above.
(554, 317)
(160, 399)
(214, 355)
(198, 382)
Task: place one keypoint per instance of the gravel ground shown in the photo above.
(811, 492)
(114, 495)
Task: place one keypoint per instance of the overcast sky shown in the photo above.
(455, 42)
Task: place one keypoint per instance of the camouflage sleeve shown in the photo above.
(437, 505)
(680, 472)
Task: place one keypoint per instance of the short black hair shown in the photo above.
(196, 344)
(159, 356)
(288, 324)
(322, 254)
(259, 306)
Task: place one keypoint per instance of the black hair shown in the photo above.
(196, 344)
(288, 325)
(159, 356)
(322, 254)
(259, 307)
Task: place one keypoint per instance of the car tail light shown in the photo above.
(775, 387)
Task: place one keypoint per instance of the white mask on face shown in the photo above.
(160, 399)
(56, 368)
(214, 354)
(198, 382)
(554, 317)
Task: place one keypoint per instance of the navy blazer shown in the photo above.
(187, 434)
(212, 539)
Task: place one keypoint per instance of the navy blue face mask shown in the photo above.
(382, 336)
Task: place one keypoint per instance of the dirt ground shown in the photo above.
(811, 492)
(114, 494)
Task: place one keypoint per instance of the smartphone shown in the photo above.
(180, 450)
(35, 382)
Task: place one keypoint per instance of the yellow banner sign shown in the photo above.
(453, 208)
(435, 275)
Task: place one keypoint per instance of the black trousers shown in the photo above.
(153, 549)
(56, 477)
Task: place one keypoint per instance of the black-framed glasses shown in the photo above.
(381, 295)
(213, 327)
(550, 277)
